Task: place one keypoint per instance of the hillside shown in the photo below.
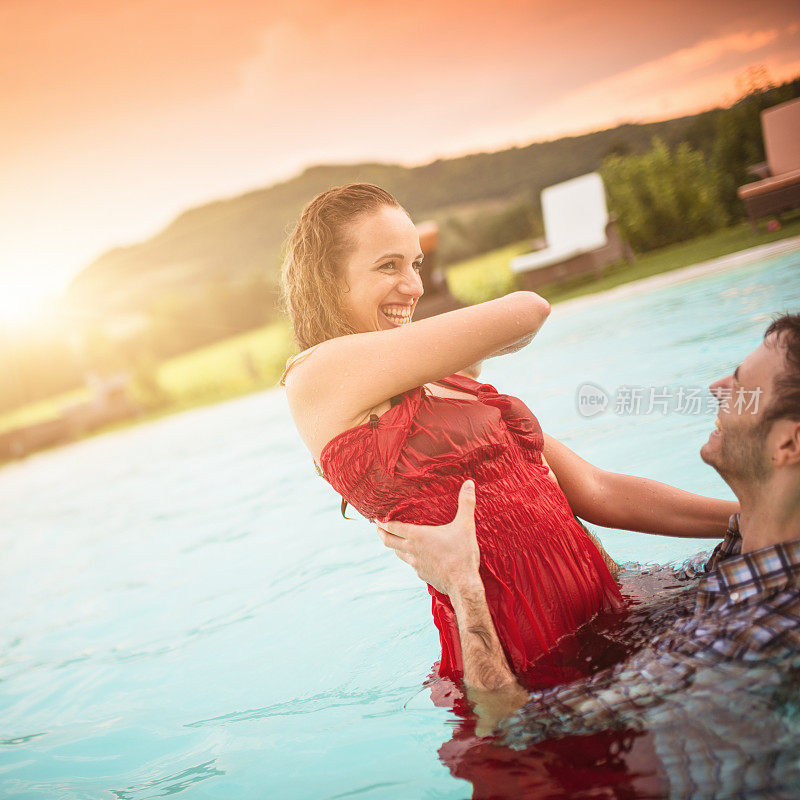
(235, 239)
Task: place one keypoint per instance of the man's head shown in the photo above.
(758, 424)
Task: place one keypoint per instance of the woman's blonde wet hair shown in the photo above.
(310, 278)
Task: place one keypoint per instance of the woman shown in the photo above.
(395, 431)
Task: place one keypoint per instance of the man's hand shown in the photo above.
(445, 556)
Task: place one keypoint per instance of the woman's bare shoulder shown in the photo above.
(296, 361)
(310, 376)
(317, 375)
(317, 393)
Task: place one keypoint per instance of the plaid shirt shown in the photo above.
(709, 689)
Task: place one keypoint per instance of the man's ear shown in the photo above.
(786, 433)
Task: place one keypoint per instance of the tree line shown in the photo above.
(667, 182)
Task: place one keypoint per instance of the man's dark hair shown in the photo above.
(787, 386)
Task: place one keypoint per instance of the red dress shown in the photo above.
(543, 575)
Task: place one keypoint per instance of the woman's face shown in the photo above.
(380, 277)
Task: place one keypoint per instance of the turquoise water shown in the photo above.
(183, 610)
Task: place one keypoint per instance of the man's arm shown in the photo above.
(491, 686)
(447, 557)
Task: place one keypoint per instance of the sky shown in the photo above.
(116, 116)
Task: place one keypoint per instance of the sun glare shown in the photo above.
(21, 305)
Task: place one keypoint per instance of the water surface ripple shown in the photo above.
(184, 611)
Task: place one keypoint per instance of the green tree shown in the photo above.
(663, 196)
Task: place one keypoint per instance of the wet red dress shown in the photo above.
(543, 575)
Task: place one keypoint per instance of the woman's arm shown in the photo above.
(638, 504)
(348, 375)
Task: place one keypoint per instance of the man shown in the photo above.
(744, 633)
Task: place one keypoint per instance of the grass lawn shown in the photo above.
(234, 366)
(486, 276)
(41, 410)
(229, 368)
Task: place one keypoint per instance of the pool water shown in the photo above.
(183, 609)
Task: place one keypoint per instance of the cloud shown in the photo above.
(681, 82)
(711, 50)
(682, 65)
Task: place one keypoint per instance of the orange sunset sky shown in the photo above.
(115, 115)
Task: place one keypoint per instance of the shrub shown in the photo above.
(663, 196)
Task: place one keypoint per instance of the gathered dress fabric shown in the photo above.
(542, 574)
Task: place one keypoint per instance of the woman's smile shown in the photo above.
(398, 314)
(380, 281)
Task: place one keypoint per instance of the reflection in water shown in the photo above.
(716, 730)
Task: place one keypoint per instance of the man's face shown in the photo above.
(737, 449)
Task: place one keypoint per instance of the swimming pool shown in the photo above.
(183, 610)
